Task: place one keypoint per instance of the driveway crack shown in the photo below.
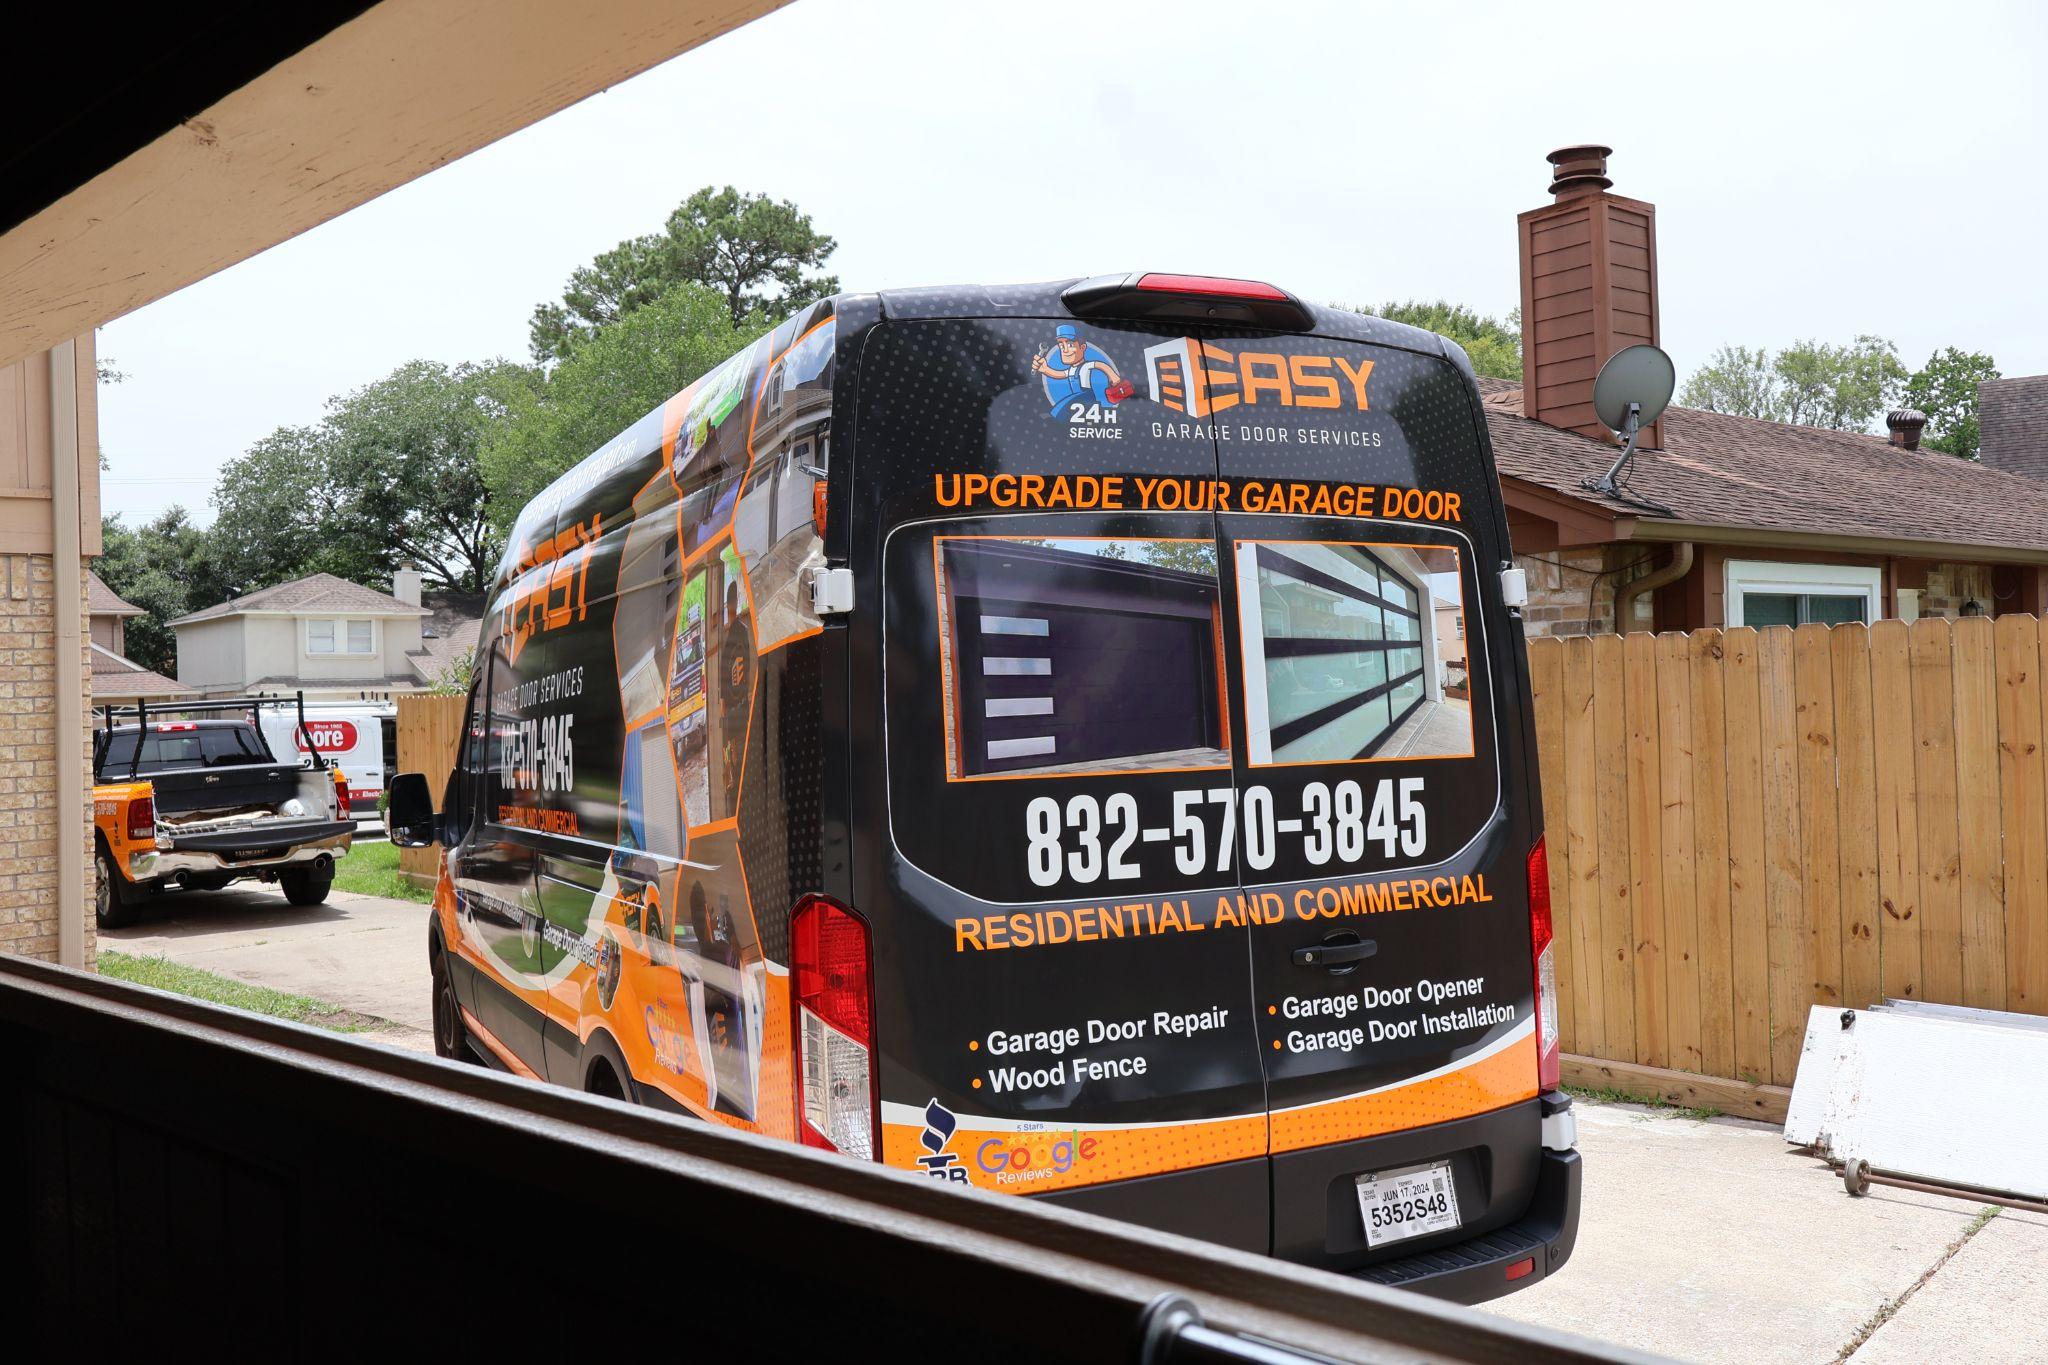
(1887, 1310)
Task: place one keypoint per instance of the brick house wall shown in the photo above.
(33, 833)
(1571, 591)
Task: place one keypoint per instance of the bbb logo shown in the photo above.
(939, 1126)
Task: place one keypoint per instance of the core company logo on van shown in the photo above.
(1199, 378)
(329, 736)
(939, 1127)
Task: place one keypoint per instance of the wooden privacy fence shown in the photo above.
(1744, 823)
(429, 728)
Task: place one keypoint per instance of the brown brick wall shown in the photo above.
(1949, 586)
(1571, 592)
(30, 825)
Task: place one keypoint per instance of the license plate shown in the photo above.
(1410, 1202)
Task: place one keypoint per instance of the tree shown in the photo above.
(735, 242)
(1495, 347)
(611, 380)
(1737, 381)
(274, 515)
(1842, 388)
(166, 566)
(401, 460)
(1946, 390)
(752, 249)
(390, 476)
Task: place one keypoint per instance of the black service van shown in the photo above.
(1070, 740)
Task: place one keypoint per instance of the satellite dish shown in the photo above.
(1631, 391)
(1642, 375)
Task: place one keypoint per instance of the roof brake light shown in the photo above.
(1178, 299)
(1210, 284)
(169, 726)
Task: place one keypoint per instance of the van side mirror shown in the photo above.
(409, 814)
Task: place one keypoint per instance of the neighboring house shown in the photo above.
(117, 680)
(1729, 520)
(325, 636)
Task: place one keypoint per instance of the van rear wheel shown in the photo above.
(451, 1040)
(111, 907)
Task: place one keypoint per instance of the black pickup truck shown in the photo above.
(199, 803)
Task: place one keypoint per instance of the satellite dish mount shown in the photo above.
(1632, 391)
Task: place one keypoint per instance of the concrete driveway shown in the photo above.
(1700, 1239)
(363, 953)
(1713, 1240)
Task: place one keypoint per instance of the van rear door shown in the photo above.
(1063, 988)
(1392, 966)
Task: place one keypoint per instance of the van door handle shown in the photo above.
(1335, 954)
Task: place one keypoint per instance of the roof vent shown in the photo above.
(1905, 425)
(1579, 170)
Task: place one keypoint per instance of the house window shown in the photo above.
(1761, 593)
(327, 636)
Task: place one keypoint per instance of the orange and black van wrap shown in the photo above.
(1173, 751)
(642, 816)
(1089, 977)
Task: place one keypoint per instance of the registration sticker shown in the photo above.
(1409, 1202)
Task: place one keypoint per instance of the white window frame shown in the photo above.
(1835, 580)
(341, 649)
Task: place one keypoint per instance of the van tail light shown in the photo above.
(1549, 1059)
(142, 818)
(832, 977)
(818, 505)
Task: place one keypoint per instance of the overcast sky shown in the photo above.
(1818, 170)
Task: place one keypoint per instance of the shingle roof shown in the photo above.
(320, 592)
(439, 652)
(1747, 473)
(2012, 415)
(114, 676)
(101, 600)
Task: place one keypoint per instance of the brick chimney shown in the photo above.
(1589, 288)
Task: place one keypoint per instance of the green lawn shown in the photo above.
(166, 975)
(371, 869)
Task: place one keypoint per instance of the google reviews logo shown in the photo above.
(1013, 1161)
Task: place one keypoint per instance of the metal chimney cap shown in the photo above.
(1579, 169)
(1905, 425)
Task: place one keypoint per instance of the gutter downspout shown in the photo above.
(1625, 596)
(70, 676)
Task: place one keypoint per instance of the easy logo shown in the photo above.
(1200, 377)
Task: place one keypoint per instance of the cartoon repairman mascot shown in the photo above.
(1077, 369)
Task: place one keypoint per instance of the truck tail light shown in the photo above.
(1549, 1059)
(142, 818)
(832, 978)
